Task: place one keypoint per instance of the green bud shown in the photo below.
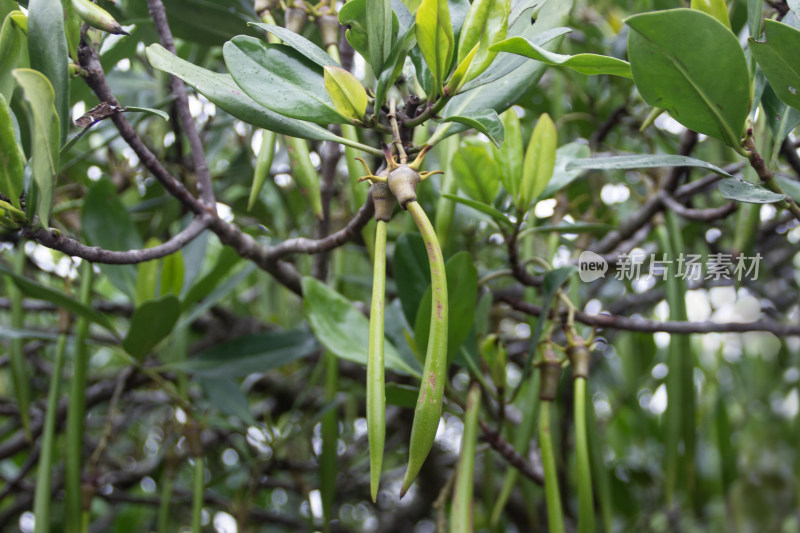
(97, 17)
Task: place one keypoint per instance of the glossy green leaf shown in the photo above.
(777, 58)
(707, 92)
(626, 162)
(379, 32)
(715, 8)
(38, 291)
(47, 47)
(395, 64)
(223, 92)
(151, 323)
(483, 208)
(486, 122)
(582, 63)
(13, 54)
(781, 118)
(435, 38)
(353, 16)
(42, 114)
(517, 76)
(462, 297)
(745, 191)
(509, 155)
(249, 354)
(411, 273)
(281, 79)
(12, 162)
(226, 395)
(477, 173)
(561, 176)
(485, 25)
(539, 162)
(348, 95)
(344, 330)
(308, 49)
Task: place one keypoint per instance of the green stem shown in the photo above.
(41, 501)
(555, 517)
(76, 411)
(376, 394)
(585, 496)
(19, 370)
(461, 510)
(167, 484)
(330, 439)
(198, 484)
(429, 404)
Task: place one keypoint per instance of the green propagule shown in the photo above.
(399, 181)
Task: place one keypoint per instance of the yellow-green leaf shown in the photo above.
(540, 160)
(41, 110)
(12, 160)
(435, 38)
(715, 8)
(346, 92)
(485, 25)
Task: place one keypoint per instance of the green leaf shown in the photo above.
(47, 47)
(38, 291)
(106, 223)
(223, 92)
(402, 395)
(347, 93)
(518, 75)
(308, 49)
(411, 272)
(715, 8)
(151, 323)
(344, 330)
(150, 111)
(13, 54)
(223, 265)
(781, 118)
(485, 25)
(379, 33)
(777, 59)
(477, 173)
(483, 208)
(540, 159)
(707, 92)
(249, 354)
(12, 161)
(435, 38)
(146, 276)
(43, 116)
(745, 191)
(353, 16)
(226, 395)
(462, 295)
(486, 122)
(625, 162)
(583, 63)
(281, 79)
(509, 155)
(395, 64)
(172, 274)
(561, 176)
(790, 187)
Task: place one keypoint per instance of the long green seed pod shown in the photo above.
(263, 163)
(304, 173)
(41, 502)
(461, 510)
(376, 394)
(585, 496)
(431, 391)
(97, 17)
(77, 411)
(19, 370)
(555, 518)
